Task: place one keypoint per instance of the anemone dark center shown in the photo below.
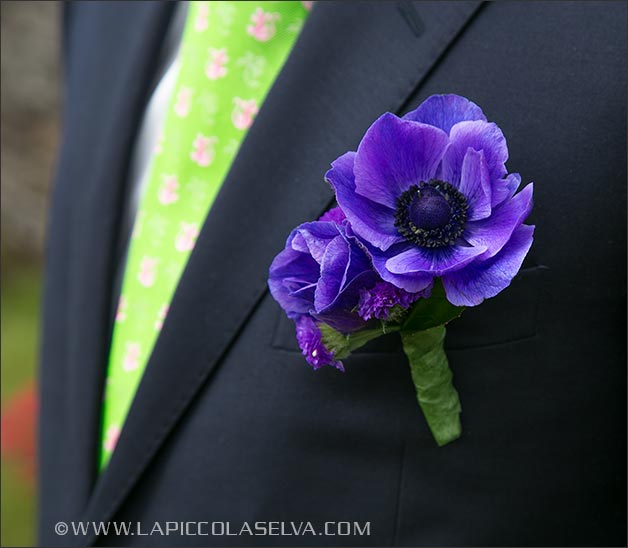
(431, 214)
(429, 209)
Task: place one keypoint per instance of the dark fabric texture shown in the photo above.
(229, 423)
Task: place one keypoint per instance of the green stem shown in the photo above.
(342, 345)
(432, 379)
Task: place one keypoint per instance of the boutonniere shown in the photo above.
(429, 222)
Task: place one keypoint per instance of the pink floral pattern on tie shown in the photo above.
(243, 112)
(263, 25)
(184, 102)
(131, 360)
(161, 316)
(111, 438)
(202, 18)
(148, 271)
(121, 310)
(186, 237)
(216, 66)
(168, 191)
(203, 150)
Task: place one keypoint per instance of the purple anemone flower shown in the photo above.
(321, 271)
(430, 196)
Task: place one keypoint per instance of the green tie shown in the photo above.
(231, 53)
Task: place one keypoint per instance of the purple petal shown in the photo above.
(481, 280)
(494, 232)
(314, 237)
(338, 289)
(371, 221)
(395, 154)
(339, 313)
(412, 282)
(359, 261)
(297, 289)
(345, 269)
(335, 215)
(293, 306)
(343, 321)
(291, 278)
(444, 111)
(333, 273)
(435, 262)
(478, 135)
(504, 189)
(475, 185)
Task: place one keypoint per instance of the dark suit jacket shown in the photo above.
(229, 423)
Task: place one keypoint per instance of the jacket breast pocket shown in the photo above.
(509, 317)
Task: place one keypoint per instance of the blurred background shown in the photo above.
(30, 90)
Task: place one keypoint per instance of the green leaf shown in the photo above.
(342, 345)
(428, 313)
(432, 379)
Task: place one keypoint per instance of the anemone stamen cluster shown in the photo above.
(431, 214)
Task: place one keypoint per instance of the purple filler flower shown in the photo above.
(321, 271)
(311, 343)
(430, 195)
(381, 300)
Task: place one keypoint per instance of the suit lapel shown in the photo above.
(351, 63)
(96, 214)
